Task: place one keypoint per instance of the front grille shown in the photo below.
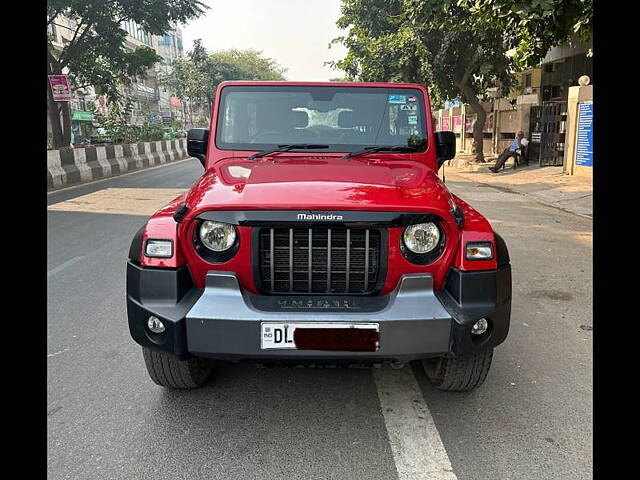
(340, 260)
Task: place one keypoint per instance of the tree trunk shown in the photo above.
(54, 118)
(481, 117)
(66, 124)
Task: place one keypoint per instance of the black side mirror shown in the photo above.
(197, 140)
(445, 147)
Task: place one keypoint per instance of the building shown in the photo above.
(563, 66)
(150, 105)
(169, 47)
(144, 92)
(529, 87)
(83, 100)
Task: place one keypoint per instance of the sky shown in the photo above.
(295, 33)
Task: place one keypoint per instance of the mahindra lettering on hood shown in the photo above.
(319, 232)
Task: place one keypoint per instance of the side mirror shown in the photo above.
(197, 140)
(445, 147)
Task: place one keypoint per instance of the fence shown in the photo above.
(72, 166)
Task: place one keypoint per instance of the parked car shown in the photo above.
(319, 233)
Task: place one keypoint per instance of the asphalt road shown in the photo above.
(532, 418)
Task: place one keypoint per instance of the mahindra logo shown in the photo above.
(318, 216)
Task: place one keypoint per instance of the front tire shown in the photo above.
(458, 374)
(167, 370)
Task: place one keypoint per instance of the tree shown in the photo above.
(435, 42)
(532, 27)
(247, 65)
(194, 78)
(190, 78)
(96, 54)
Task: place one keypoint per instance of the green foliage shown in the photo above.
(97, 55)
(119, 130)
(116, 122)
(249, 64)
(196, 76)
(150, 132)
(532, 27)
(435, 42)
(428, 41)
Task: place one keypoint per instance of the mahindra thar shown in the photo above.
(319, 234)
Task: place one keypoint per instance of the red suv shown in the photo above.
(319, 233)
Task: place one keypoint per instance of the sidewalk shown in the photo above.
(546, 185)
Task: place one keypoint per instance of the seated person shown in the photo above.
(512, 150)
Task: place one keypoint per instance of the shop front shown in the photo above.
(82, 127)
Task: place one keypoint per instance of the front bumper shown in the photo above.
(223, 321)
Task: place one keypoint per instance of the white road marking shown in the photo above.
(57, 353)
(64, 265)
(417, 449)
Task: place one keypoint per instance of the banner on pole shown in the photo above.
(60, 88)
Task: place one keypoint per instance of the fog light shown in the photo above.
(155, 325)
(480, 327)
(159, 248)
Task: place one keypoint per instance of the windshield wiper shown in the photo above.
(380, 148)
(286, 148)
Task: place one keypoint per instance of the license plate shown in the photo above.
(320, 336)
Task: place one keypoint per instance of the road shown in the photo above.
(532, 418)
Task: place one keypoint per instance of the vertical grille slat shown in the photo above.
(290, 260)
(329, 261)
(310, 260)
(366, 259)
(319, 260)
(272, 249)
(348, 264)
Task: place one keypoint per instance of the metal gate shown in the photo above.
(548, 124)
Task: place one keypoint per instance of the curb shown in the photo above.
(535, 198)
(75, 166)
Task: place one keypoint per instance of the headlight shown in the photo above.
(217, 236)
(422, 238)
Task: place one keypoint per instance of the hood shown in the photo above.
(320, 183)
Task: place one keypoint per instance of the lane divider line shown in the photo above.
(64, 265)
(416, 445)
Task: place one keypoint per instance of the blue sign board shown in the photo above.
(584, 147)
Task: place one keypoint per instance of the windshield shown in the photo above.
(346, 119)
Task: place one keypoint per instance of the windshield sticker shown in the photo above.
(409, 107)
(412, 119)
(397, 99)
(412, 98)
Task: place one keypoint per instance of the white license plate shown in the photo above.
(280, 335)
